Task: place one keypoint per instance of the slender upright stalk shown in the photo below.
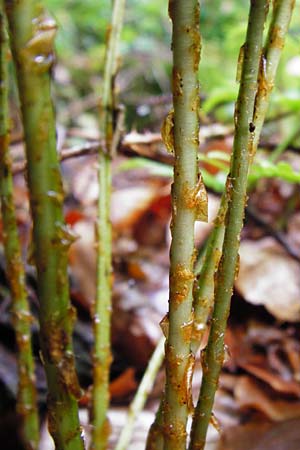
(140, 397)
(236, 194)
(286, 142)
(155, 438)
(26, 401)
(204, 292)
(281, 17)
(102, 306)
(32, 33)
(188, 204)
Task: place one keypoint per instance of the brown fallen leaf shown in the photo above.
(273, 380)
(259, 434)
(119, 388)
(124, 384)
(269, 277)
(250, 394)
(282, 436)
(128, 204)
(245, 436)
(270, 354)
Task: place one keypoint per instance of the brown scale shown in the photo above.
(180, 281)
(196, 197)
(177, 83)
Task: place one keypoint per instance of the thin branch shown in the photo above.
(102, 307)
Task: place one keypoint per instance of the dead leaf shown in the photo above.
(269, 277)
(273, 380)
(245, 436)
(130, 203)
(124, 384)
(268, 353)
(250, 394)
(283, 436)
(260, 434)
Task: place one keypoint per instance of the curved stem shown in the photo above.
(26, 401)
(32, 33)
(102, 306)
(236, 194)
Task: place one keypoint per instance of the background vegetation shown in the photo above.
(146, 57)
(143, 86)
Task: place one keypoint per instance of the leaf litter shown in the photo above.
(260, 382)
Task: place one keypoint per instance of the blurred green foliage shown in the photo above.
(262, 168)
(146, 56)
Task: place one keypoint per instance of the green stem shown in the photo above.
(140, 398)
(204, 290)
(26, 401)
(278, 28)
(155, 439)
(281, 17)
(293, 134)
(32, 33)
(102, 306)
(236, 194)
(203, 303)
(188, 204)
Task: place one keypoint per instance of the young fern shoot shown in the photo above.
(32, 33)
(189, 203)
(26, 399)
(236, 197)
(102, 306)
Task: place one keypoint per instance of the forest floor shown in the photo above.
(258, 401)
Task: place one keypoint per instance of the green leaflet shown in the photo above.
(260, 169)
(267, 169)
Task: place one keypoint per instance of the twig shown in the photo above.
(102, 307)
